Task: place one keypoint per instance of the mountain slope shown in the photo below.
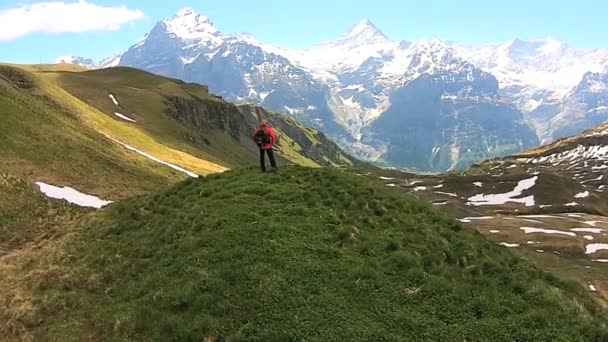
(222, 257)
(449, 121)
(40, 122)
(339, 87)
(119, 132)
(549, 204)
(586, 106)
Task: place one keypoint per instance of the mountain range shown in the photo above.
(429, 105)
(188, 241)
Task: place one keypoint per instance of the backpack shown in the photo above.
(262, 138)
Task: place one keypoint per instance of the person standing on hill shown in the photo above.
(265, 138)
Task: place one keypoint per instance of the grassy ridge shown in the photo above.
(46, 142)
(306, 254)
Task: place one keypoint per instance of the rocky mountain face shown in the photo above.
(585, 105)
(441, 122)
(351, 87)
(540, 77)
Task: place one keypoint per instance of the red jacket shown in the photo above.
(270, 132)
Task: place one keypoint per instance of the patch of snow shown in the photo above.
(593, 180)
(600, 260)
(175, 167)
(358, 87)
(545, 206)
(387, 178)
(493, 231)
(531, 230)
(446, 193)
(193, 29)
(124, 117)
(509, 245)
(588, 237)
(601, 167)
(392, 185)
(533, 221)
(542, 216)
(478, 184)
(576, 215)
(588, 230)
(438, 186)
(592, 288)
(419, 188)
(293, 111)
(264, 94)
(468, 219)
(114, 99)
(594, 247)
(571, 204)
(71, 195)
(540, 251)
(594, 223)
(582, 195)
(497, 199)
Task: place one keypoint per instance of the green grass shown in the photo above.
(43, 141)
(301, 255)
(26, 215)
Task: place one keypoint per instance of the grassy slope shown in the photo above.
(306, 254)
(47, 142)
(143, 97)
(27, 222)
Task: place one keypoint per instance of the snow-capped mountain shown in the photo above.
(89, 63)
(539, 77)
(346, 87)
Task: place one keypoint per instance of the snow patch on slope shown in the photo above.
(175, 167)
(498, 199)
(124, 117)
(72, 196)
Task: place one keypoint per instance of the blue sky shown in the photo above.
(298, 24)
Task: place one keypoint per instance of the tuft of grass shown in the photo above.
(303, 254)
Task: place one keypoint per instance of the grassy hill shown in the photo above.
(305, 254)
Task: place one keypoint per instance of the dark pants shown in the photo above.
(270, 153)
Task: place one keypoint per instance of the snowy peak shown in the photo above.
(191, 26)
(364, 33)
(519, 49)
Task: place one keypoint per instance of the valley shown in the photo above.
(369, 93)
(130, 209)
(440, 179)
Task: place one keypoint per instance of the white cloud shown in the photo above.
(61, 16)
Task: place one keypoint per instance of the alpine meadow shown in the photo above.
(202, 185)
